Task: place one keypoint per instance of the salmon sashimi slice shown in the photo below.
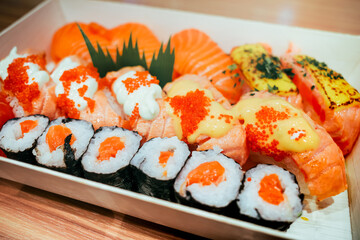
(196, 53)
(147, 42)
(68, 40)
(6, 111)
(320, 170)
(262, 71)
(328, 98)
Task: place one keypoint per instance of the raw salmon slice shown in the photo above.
(68, 40)
(328, 98)
(148, 43)
(197, 53)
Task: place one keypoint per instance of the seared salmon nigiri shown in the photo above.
(290, 139)
(328, 98)
(261, 71)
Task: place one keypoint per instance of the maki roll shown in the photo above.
(18, 136)
(108, 156)
(62, 144)
(210, 181)
(270, 197)
(157, 164)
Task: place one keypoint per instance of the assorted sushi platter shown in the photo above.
(185, 119)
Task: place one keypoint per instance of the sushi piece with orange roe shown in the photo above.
(62, 145)
(78, 94)
(108, 156)
(18, 136)
(25, 83)
(157, 164)
(270, 196)
(209, 181)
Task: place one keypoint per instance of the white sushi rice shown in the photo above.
(131, 141)
(147, 159)
(11, 136)
(211, 195)
(251, 204)
(81, 130)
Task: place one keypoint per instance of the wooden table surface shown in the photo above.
(29, 213)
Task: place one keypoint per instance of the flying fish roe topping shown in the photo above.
(259, 134)
(297, 134)
(141, 79)
(227, 118)
(191, 109)
(17, 80)
(77, 75)
(134, 115)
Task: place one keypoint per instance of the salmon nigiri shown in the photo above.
(200, 114)
(147, 42)
(196, 53)
(328, 98)
(25, 83)
(68, 41)
(278, 133)
(262, 71)
(77, 94)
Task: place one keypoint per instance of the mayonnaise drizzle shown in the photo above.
(34, 72)
(80, 102)
(144, 96)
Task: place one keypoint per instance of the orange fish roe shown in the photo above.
(206, 174)
(228, 118)
(302, 133)
(249, 179)
(271, 190)
(77, 75)
(141, 79)
(191, 109)
(164, 157)
(134, 115)
(27, 125)
(16, 83)
(258, 134)
(109, 148)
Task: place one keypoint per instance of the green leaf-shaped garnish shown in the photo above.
(161, 67)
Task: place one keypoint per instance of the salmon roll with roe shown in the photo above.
(209, 181)
(62, 144)
(18, 136)
(108, 156)
(270, 196)
(157, 164)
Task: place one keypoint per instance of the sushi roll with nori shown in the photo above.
(270, 197)
(62, 144)
(210, 181)
(108, 156)
(157, 164)
(18, 136)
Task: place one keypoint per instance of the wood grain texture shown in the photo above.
(29, 213)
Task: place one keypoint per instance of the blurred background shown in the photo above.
(341, 16)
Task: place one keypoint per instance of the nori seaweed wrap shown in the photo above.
(157, 164)
(18, 136)
(108, 156)
(62, 145)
